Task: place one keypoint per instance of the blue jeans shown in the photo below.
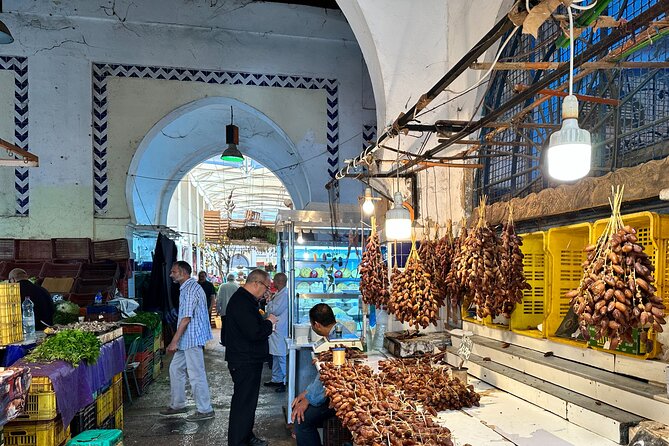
(306, 432)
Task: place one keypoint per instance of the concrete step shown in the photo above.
(650, 370)
(632, 395)
(602, 419)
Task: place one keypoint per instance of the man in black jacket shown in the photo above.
(43, 306)
(246, 348)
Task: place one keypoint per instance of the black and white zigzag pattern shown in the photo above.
(19, 65)
(100, 114)
(368, 135)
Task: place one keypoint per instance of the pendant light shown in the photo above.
(232, 153)
(398, 218)
(569, 151)
(368, 204)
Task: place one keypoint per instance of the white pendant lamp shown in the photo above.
(368, 204)
(569, 151)
(398, 221)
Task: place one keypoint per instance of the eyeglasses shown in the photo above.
(263, 284)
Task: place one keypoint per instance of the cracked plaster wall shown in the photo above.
(63, 39)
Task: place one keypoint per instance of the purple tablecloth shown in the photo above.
(74, 386)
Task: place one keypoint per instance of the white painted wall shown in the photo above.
(63, 39)
(408, 47)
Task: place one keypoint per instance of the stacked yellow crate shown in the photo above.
(11, 327)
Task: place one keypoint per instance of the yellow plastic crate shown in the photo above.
(565, 255)
(652, 231)
(11, 328)
(40, 433)
(117, 390)
(104, 407)
(41, 401)
(536, 265)
(156, 342)
(118, 418)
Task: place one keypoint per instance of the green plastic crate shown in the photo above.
(634, 348)
(98, 437)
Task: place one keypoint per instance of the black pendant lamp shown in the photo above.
(5, 35)
(232, 153)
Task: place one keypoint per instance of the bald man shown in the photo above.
(43, 304)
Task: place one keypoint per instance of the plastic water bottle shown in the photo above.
(28, 319)
(98, 298)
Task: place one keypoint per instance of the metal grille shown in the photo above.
(633, 132)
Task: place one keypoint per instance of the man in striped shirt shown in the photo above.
(193, 332)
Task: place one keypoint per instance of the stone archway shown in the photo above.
(194, 133)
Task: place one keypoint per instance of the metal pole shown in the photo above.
(289, 227)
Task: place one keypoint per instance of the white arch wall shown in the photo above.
(63, 41)
(408, 47)
(192, 134)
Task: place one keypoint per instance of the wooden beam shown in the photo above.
(562, 94)
(599, 65)
(427, 164)
(26, 159)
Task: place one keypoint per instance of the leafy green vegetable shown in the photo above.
(151, 320)
(72, 346)
(65, 306)
(64, 318)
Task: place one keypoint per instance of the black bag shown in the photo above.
(223, 331)
(569, 325)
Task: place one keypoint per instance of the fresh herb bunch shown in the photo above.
(151, 320)
(72, 346)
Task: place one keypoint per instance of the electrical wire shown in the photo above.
(492, 66)
(571, 50)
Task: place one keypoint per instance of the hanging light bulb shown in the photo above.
(569, 151)
(300, 238)
(398, 220)
(368, 204)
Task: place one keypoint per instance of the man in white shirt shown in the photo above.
(224, 292)
(278, 306)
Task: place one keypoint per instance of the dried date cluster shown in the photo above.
(374, 283)
(411, 296)
(351, 353)
(617, 292)
(511, 260)
(373, 411)
(488, 271)
(420, 380)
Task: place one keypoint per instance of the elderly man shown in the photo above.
(278, 306)
(193, 332)
(225, 291)
(43, 305)
(246, 334)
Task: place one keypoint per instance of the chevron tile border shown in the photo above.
(368, 135)
(102, 71)
(19, 65)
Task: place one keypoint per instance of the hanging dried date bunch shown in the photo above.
(444, 253)
(617, 292)
(454, 288)
(374, 283)
(511, 261)
(411, 298)
(478, 269)
(431, 264)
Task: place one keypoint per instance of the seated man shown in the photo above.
(43, 306)
(311, 407)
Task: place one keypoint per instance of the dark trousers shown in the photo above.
(306, 432)
(246, 379)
